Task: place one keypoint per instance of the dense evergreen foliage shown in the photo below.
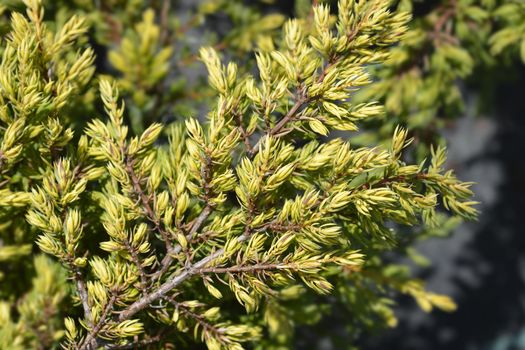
(145, 204)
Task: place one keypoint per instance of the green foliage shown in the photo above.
(143, 63)
(511, 35)
(43, 75)
(259, 213)
(422, 83)
(38, 324)
(250, 26)
(415, 91)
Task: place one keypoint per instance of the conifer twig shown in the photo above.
(194, 227)
(82, 293)
(298, 105)
(242, 269)
(301, 102)
(201, 320)
(136, 344)
(169, 285)
(145, 202)
(90, 342)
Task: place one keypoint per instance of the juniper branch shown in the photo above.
(82, 293)
(197, 318)
(136, 344)
(173, 282)
(90, 342)
(300, 103)
(136, 261)
(146, 204)
(243, 269)
(194, 227)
